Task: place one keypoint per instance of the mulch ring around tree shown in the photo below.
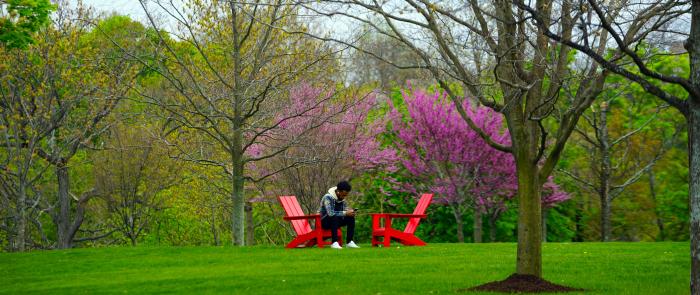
(516, 283)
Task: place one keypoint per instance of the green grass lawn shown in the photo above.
(610, 268)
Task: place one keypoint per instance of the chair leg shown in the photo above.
(319, 238)
(387, 232)
(301, 240)
(293, 244)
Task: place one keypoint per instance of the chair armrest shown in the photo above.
(311, 216)
(388, 216)
(397, 215)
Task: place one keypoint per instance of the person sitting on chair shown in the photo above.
(335, 214)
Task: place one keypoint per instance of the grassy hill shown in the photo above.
(610, 268)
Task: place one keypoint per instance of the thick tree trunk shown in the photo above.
(694, 181)
(250, 226)
(237, 197)
(478, 226)
(693, 47)
(63, 223)
(237, 193)
(529, 260)
(605, 171)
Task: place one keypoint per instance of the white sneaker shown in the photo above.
(352, 245)
(335, 245)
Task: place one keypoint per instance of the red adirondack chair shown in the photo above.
(306, 236)
(406, 236)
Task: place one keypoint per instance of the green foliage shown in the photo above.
(440, 226)
(610, 268)
(4, 240)
(560, 224)
(23, 18)
(672, 194)
(507, 226)
(176, 226)
(270, 228)
(631, 108)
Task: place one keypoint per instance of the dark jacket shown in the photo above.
(331, 206)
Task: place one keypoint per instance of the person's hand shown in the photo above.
(350, 212)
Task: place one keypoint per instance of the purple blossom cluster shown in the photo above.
(329, 128)
(445, 156)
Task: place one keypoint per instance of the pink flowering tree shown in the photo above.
(330, 143)
(443, 155)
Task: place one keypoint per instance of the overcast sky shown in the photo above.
(131, 8)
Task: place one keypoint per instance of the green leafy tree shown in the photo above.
(228, 78)
(20, 19)
(133, 177)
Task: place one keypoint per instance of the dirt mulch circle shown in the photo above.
(516, 283)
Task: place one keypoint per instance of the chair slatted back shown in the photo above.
(423, 203)
(292, 209)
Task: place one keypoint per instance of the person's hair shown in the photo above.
(344, 186)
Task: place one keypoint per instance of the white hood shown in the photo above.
(331, 191)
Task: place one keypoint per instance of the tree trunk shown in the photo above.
(693, 47)
(250, 226)
(237, 196)
(492, 228)
(652, 193)
(694, 160)
(605, 171)
(544, 225)
(132, 232)
(460, 224)
(605, 212)
(8, 233)
(20, 239)
(214, 231)
(237, 193)
(529, 260)
(478, 226)
(63, 222)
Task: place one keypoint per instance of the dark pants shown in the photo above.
(332, 223)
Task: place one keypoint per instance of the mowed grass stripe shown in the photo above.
(600, 268)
